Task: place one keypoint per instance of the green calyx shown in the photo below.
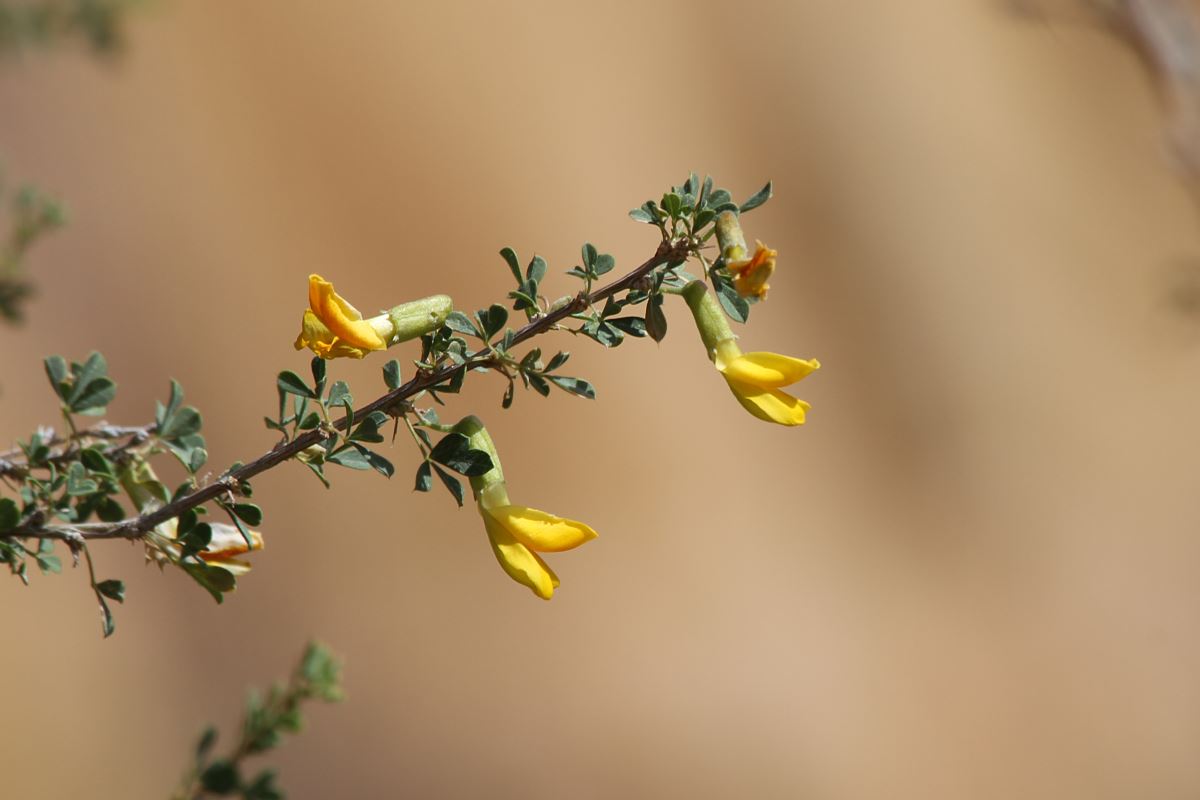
(730, 237)
(419, 317)
(710, 321)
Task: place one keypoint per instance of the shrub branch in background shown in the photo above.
(317, 676)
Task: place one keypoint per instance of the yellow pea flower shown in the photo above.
(332, 328)
(750, 277)
(227, 541)
(148, 493)
(519, 533)
(750, 273)
(754, 378)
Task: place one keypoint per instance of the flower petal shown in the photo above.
(227, 540)
(768, 370)
(770, 405)
(521, 564)
(341, 318)
(542, 532)
(316, 337)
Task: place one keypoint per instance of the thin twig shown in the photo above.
(137, 527)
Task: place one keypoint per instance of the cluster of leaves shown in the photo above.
(31, 216)
(85, 473)
(304, 408)
(690, 210)
(486, 326)
(43, 23)
(318, 676)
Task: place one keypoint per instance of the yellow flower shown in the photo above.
(148, 493)
(754, 378)
(227, 541)
(750, 277)
(750, 273)
(332, 328)
(518, 533)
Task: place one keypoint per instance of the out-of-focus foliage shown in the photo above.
(318, 676)
(99, 24)
(31, 216)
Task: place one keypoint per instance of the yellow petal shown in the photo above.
(521, 564)
(341, 318)
(316, 337)
(770, 405)
(227, 541)
(768, 370)
(542, 532)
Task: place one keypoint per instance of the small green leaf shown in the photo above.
(492, 320)
(84, 375)
(640, 214)
(249, 513)
(760, 197)
(368, 429)
(424, 478)
(536, 270)
(184, 422)
(350, 456)
(221, 777)
(319, 370)
(734, 304)
(311, 421)
(391, 374)
(93, 400)
(112, 589)
(174, 400)
(107, 624)
(454, 451)
(196, 539)
(56, 371)
(49, 564)
(95, 461)
(292, 383)
(589, 256)
(634, 326)
(559, 359)
(78, 484)
(380, 464)
(461, 323)
(10, 516)
(452, 484)
(510, 257)
(575, 386)
(214, 580)
(340, 395)
(656, 320)
(206, 742)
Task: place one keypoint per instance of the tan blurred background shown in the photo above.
(974, 574)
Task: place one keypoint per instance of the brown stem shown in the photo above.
(668, 252)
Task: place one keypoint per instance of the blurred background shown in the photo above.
(972, 574)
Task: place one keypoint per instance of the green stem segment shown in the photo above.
(710, 320)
